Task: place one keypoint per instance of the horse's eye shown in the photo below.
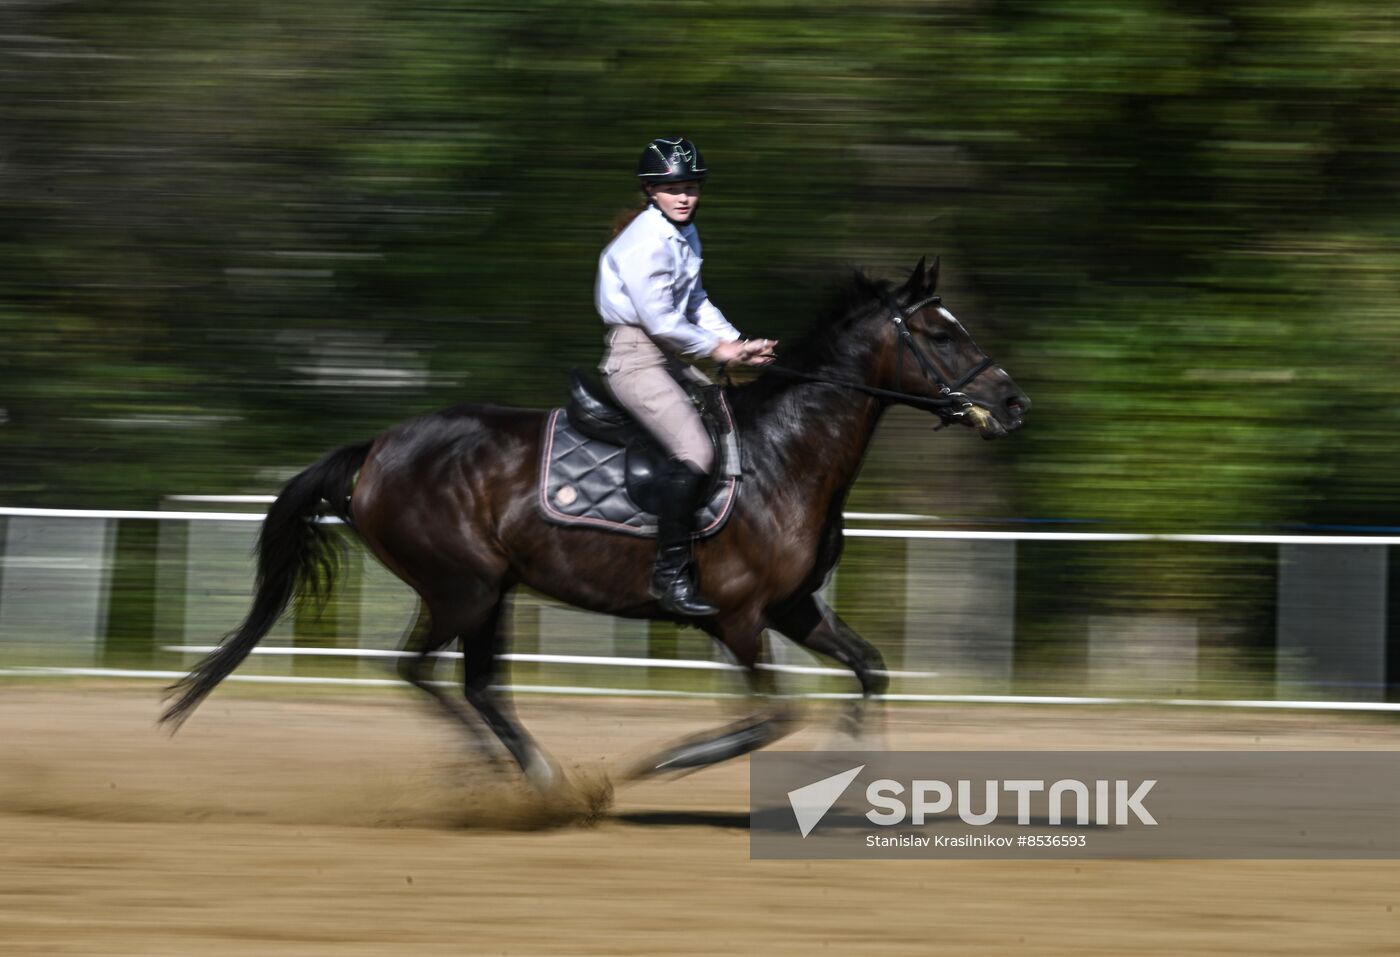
(941, 339)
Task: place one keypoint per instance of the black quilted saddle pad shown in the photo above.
(582, 482)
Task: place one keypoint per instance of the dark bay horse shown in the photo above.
(448, 503)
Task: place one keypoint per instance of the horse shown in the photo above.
(447, 502)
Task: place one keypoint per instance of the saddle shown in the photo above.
(600, 465)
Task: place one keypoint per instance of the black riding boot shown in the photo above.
(673, 575)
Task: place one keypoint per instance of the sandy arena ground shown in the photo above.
(361, 826)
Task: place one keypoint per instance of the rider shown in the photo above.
(658, 319)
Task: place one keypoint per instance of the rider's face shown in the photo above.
(677, 200)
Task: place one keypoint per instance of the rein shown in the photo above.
(918, 401)
(949, 394)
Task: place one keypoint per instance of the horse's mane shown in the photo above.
(823, 342)
(823, 346)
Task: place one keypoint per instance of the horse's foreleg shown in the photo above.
(812, 624)
(708, 748)
(772, 722)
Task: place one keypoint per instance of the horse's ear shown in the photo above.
(915, 286)
(933, 274)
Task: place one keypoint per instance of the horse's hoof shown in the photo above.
(543, 774)
(858, 728)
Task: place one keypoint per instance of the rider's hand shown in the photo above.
(749, 352)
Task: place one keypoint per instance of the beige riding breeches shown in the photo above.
(643, 379)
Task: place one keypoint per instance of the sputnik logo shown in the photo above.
(811, 802)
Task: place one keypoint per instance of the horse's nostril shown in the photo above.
(1015, 406)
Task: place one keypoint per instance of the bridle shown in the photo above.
(948, 392)
(951, 404)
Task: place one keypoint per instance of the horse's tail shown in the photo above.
(297, 557)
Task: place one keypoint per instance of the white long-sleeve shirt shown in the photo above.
(649, 276)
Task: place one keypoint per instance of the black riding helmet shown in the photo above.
(670, 161)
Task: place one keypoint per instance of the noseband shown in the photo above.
(954, 403)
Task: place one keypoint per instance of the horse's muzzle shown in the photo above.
(995, 421)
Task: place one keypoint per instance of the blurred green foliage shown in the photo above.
(238, 235)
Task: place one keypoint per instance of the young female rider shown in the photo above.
(658, 317)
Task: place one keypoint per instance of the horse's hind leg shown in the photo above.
(480, 651)
(473, 615)
(810, 622)
(430, 634)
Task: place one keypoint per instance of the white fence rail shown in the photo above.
(957, 589)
